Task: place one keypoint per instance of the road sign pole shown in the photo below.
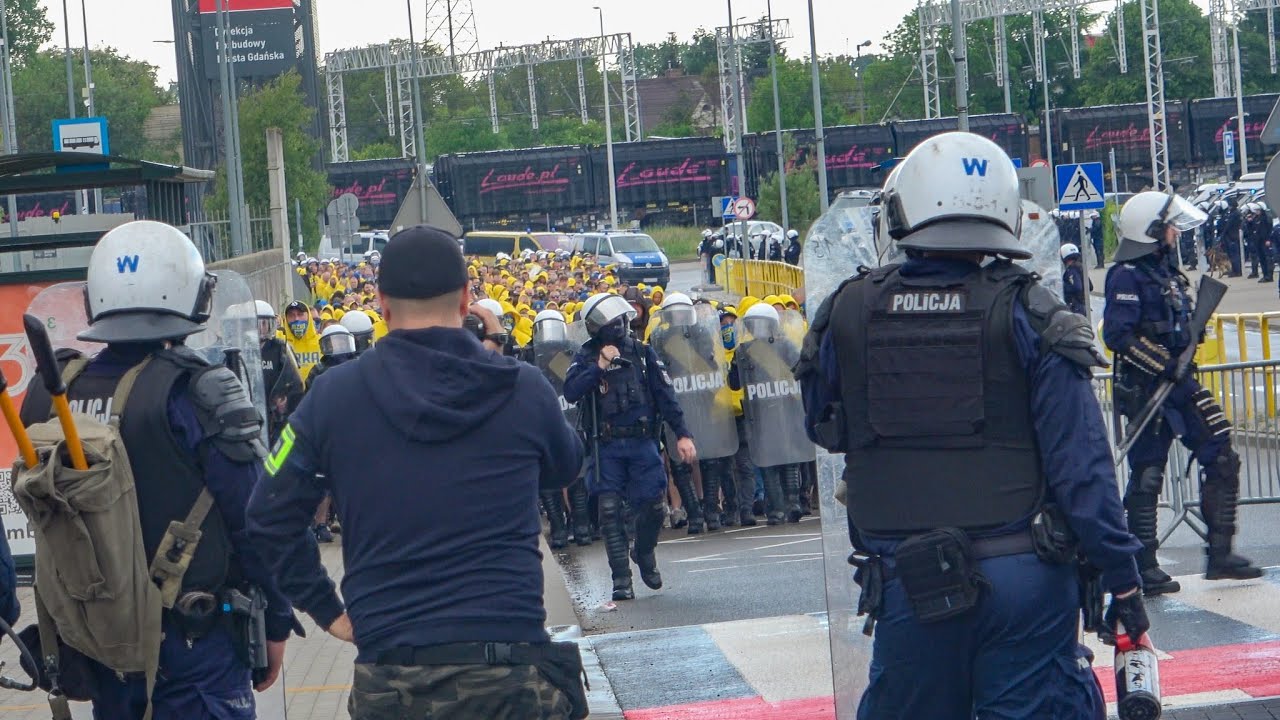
(1084, 272)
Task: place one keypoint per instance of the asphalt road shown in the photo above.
(733, 574)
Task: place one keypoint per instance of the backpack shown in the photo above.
(96, 591)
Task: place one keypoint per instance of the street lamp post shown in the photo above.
(71, 90)
(820, 141)
(608, 130)
(777, 120)
(88, 88)
(420, 142)
(10, 123)
(862, 89)
(231, 133)
(1243, 150)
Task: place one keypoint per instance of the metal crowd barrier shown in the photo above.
(1246, 392)
(760, 278)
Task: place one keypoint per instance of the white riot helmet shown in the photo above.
(492, 306)
(793, 235)
(603, 309)
(361, 327)
(266, 320)
(549, 326)
(706, 234)
(1144, 217)
(1069, 251)
(760, 321)
(147, 283)
(677, 310)
(956, 192)
(337, 342)
(300, 258)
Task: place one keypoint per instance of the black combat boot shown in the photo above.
(1145, 484)
(711, 481)
(553, 503)
(682, 473)
(648, 524)
(615, 544)
(580, 505)
(1219, 495)
(775, 498)
(791, 491)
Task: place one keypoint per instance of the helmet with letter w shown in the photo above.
(147, 282)
(955, 192)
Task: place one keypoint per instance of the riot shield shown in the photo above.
(1040, 236)
(771, 403)
(695, 359)
(838, 243)
(231, 337)
(793, 326)
(850, 649)
(62, 309)
(553, 359)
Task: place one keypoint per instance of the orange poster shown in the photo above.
(19, 370)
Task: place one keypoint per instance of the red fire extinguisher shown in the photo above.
(1137, 678)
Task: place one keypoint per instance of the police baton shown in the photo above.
(47, 365)
(25, 448)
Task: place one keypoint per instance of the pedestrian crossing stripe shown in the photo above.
(280, 452)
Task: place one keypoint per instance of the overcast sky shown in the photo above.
(351, 23)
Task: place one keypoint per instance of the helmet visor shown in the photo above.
(550, 331)
(338, 344)
(1183, 215)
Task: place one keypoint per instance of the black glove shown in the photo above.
(1129, 612)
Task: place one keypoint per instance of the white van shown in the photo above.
(362, 243)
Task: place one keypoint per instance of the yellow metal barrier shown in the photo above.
(760, 278)
(1242, 322)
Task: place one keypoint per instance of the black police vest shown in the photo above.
(937, 403)
(166, 478)
(622, 389)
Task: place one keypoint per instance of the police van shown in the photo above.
(636, 256)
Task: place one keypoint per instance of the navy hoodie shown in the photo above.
(434, 449)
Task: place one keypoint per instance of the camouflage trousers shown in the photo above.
(454, 692)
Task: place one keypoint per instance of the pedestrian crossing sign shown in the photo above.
(1080, 186)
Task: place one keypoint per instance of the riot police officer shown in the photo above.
(1146, 323)
(1073, 279)
(553, 351)
(187, 427)
(687, 341)
(761, 366)
(1228, 233)
(281, 379)
(1257, 229)
(953, 448)
(775, 247)
(792, 254)
(628, 397)
(337, 345)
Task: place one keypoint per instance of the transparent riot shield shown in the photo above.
(1040, 236)
(838, 243)
(695, 359)
(771, 402)
(62, 309)
(554, 358)
(231, 337)
(794, 326)
(850, 649)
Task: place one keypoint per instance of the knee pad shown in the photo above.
(1224, 471)
(1147, 480)
(1211, 413)
(610, 507)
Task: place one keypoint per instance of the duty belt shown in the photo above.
(474, 653)
(644, 429)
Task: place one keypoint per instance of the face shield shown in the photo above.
(550, 331)
(266, 328)
(608, 310)
(680, 315)
(338, 344)
(1181, 214)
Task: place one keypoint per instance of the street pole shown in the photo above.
(88, 84)
(737, 103)
(226, 77)
(420, 142)
(962, 67)
(608, 131)
(10, 124)
(819, 139)
(1046, 125)
(71, 83)
(1242, 150)
(777, 121)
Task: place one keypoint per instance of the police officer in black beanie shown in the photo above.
(443, 586)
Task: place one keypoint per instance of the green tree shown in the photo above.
(699, 56)
(655, 59)
(278, 104)
(125, 92)
(376, 151)
(1184, 41)
(803, 207)
(29, 28)
(795, 94)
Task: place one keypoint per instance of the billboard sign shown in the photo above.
(260, 37)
